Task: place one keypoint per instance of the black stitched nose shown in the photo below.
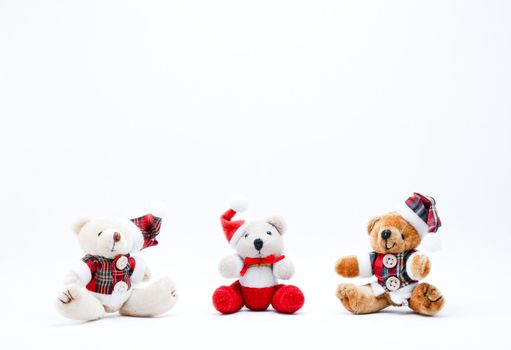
(258, 244)
(385, 234)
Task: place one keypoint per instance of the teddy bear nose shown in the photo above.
(117, 237)
(385, 234)
(258, 243)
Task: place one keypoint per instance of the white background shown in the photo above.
(326, 112)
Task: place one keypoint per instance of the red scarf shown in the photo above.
(269, 260)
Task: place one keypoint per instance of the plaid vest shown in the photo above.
(105, 274)
(382, 273)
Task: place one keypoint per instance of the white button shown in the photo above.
(120, 287)
(392, 283)
(121, 263)
(389, 261)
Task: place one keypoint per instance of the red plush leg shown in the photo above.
(257, 299)
(227, 299)
(287, 299)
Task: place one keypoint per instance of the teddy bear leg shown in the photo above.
(360, 299)
(426, 299)
(153, 300)
(228, 299)
(287, 299)
(76, 303)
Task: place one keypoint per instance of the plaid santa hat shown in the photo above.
(234, 229)
(420, 211)
(148, 228)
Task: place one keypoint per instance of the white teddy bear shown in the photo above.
(103, 280)
(258, 264)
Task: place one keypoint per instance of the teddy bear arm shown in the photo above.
(347, 266)
(284, 269)
(418, 266)
(230, 266)
(80, 274)
(141, 272)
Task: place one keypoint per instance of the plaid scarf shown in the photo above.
(382, 273)
(105, 274)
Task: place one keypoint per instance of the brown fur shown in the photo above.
(425, 300)
(347, 266)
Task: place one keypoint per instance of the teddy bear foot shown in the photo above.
(288, 299)
(360, 299)
(75, 303)
(426, 300)
(228, 299)
(153, 300)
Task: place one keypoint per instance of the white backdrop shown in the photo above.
(326, 112)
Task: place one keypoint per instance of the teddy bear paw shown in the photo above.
(348, 295)
(426, 299)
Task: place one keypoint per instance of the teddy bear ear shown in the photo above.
(371, 224)
(78, 223)
(277, 222)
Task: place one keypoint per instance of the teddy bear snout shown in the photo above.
(117, 236)
(385, 234)
(258, 243)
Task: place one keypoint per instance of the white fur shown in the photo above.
(140, 270)
(230, 266)
(80, 274)
(414, 220)
(364, 265)
(153, 300)
(258, 277)
(83, 306)
(284, 269)
(158, 209)
(273, 243)
(239, 204)
(431, 242)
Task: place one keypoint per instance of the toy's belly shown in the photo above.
(258, 277)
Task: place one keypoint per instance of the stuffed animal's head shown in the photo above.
(391, 233)
(106, 237)
(261, 238)
(416, 221)
(254, 239)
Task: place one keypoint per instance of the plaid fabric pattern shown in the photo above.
(150, 226)
(424, 207)
(105, 274)
(382, 273)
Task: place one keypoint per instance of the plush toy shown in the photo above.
(258, 263)
(103, 280)
(396, 264)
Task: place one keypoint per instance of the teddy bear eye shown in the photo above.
(402, 236)
(246, 235)
(268, 233)
(100, 232)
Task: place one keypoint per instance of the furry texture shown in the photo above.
(258, 288)
(389, 234)
(111, 239)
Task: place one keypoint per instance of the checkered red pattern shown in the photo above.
(150, 226)
(105, 274)
(424, 207)
(382, 273)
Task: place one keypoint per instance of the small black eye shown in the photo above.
(402, 236)
(268, 233)
(99, 234)
(246, 235)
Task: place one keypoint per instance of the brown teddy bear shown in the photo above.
(398, 267)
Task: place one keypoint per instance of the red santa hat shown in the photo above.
(420, 211)
(148, 227)
(234, 229)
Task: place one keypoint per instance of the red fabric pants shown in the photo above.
(284, 298)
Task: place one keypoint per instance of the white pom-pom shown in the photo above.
(431, 242)
(158, 209)
(239, 204)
